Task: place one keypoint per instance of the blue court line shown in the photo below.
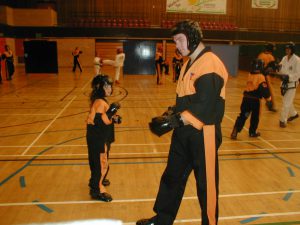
(32, 159)
(284, 160)
(288, 195)
(291, 172)
(251, 219)
(22, 182)
(43, 207)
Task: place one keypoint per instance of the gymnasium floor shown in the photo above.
(45, 172)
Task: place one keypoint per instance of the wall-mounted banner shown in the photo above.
(197, 6)
(265, 4)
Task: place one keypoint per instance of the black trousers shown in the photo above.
(75, 64)
(248, 106)
(187, 154)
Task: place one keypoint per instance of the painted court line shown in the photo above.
(46, 128)
(145, 199)
(150, 153)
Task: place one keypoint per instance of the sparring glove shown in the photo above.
(117, 119)
(163, 124)
(284, 78)
(113, 108)
(269, 105)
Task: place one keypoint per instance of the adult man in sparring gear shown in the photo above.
(290, 65)
(196, 120)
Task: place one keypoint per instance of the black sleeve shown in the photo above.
(206, 103)
(263, 89)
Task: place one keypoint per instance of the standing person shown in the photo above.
(98, 62)
(0, 68)
(267, 57)
(8, 56)
(159, 64)
(98, 135)
(76, 53)
(196, 119)
(290, 65)
(256, 89)
(177, 64)
(119, 63)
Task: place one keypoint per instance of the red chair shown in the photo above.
(108, 23)
(135, 23)
(125, 23)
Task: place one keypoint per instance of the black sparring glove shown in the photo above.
(163, 124)
(284, 78)
(269, 104)
(113, 108)
(117, 119)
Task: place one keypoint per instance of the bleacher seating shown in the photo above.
(110, 22)
(141, 23)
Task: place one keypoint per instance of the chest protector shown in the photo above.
(206, 64)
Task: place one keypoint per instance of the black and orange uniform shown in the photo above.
(268, 57)
(201, 101)
(76, 62)
(98, 136)
(159, 66)
(110, 140)
(177, 64)
(256, 89)
(9, 64)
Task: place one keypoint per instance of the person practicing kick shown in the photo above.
(196, 119)
(119, 63)
(256, 89)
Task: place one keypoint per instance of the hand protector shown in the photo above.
(117, 119)
(113, 108)
(284, 78)
(269, 104)
(163, 124)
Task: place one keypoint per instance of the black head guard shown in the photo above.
(99, 82)
(257, 66)
(191, 30)
(292, 46)
(269, 47)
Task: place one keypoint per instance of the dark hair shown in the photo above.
(191, 30)
(98, 86)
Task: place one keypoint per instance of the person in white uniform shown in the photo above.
(97, 63)
(119, 63)
(290, 65)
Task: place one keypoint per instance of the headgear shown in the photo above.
(191, 30)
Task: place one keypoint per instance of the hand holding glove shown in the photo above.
(113, 108)
(117, 119)
(163, 124)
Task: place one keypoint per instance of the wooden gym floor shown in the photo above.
(44, 167)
